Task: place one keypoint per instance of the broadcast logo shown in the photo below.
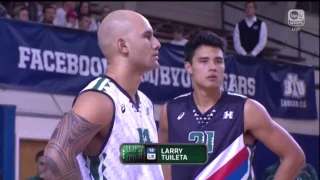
(151, 153)
(296, 19)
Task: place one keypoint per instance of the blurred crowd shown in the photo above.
(70, 14)
(249, 37)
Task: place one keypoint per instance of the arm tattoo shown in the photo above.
(71, 136)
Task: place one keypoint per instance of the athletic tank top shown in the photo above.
(221, 128)
(132, 123)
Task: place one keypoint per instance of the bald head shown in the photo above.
(118, 24)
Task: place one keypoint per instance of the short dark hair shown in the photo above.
(249, 2)
(39, 154)
(48, 6)
(206, 38)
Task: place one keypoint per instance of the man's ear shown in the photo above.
(188, 67)
(122, 46)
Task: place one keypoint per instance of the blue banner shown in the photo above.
(57, 60)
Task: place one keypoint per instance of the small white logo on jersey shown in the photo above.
(180, 116)
(123, 108)
(228, 115)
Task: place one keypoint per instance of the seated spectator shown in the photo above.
(21, 13)
(49, 14)
(250, 34)
(84, 22)
(61, 13)
(84, 9)
(31, 7)
(178, 38)
(72, 19)
(104, 12)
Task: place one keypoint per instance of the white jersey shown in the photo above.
(131, 124)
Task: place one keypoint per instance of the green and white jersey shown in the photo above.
(133, 123)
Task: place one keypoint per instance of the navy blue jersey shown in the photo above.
(221, 128)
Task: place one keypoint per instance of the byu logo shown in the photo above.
(123, 108)
(144, 136)
(293, 86)
(228, 115)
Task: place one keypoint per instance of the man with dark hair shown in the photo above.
(250, 35)
(84, 22)
(227, 123)
(178, 38)
(49, 14)
(40, 164)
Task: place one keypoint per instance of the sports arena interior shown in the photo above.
(34, 94)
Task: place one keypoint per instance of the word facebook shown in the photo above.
(60, 62)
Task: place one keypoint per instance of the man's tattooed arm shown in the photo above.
(71, 136)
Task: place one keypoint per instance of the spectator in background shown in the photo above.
(21, 13)
(40, 164)
(178, 38)
(31, 7)
(61, 13)
(49, 14)
(40, 6)
(104, 12)
(250, 35)
(84, 10)
(84, 22)
(72, 19)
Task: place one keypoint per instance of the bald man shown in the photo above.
(110, 111)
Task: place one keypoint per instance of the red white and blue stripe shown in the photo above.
(235, 162)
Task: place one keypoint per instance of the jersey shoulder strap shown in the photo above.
(100, 84)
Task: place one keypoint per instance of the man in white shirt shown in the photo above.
(60, 19)
(178, 38)
(250, 35)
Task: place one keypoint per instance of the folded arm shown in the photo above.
(73, 133)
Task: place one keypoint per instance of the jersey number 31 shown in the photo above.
(206, 137)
